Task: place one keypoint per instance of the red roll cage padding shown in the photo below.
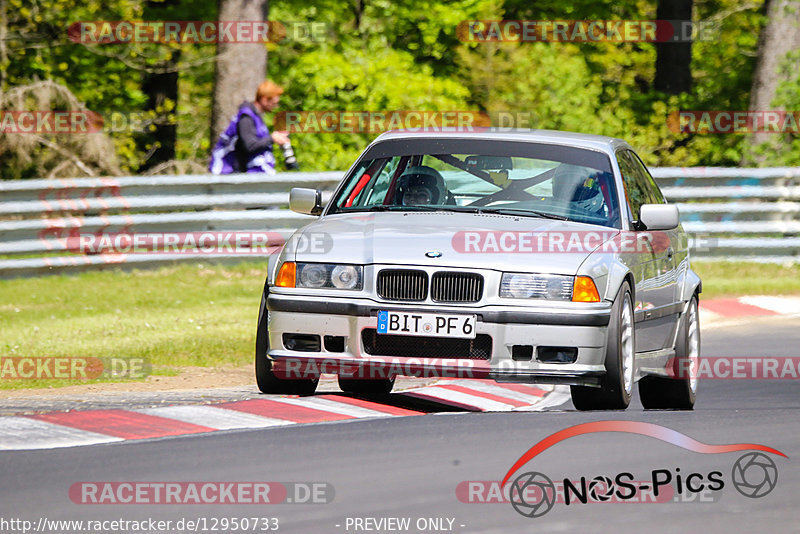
(365, 178)
(362, 182)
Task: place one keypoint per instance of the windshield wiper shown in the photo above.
(513, 211)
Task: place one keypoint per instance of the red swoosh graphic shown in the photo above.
(634, 427)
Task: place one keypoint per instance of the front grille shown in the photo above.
(403, 284)
(456, 287)
(376, 344)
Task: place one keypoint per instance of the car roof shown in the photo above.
(590, 141)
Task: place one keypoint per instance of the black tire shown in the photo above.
(376, 386)
(612, 393)
(677, 393)
(267, 381)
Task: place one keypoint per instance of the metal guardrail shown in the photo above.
(732, 212)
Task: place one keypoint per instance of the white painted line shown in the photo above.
(482, 403)
(707, 316)
(557, 397)
(498, 390)
(780, 305)
(23, 433)
(219, 418)
(328, 405)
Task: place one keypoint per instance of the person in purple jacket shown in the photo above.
(246, 144)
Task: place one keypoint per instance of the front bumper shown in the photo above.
(584, 329)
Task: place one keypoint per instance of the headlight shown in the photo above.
(328, 275)
(536, 286)
(313, 275)
(346, 277)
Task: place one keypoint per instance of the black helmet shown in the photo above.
(580, 186)
(421, 177)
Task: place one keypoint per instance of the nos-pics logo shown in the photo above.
(533, 494)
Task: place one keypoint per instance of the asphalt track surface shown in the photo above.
(410, 467)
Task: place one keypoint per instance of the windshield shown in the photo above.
(508, 178)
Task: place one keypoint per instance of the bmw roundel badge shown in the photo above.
(433, 254)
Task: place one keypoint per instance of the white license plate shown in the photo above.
(426, 324)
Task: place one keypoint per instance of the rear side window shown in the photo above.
(636, 188)
(646, 178)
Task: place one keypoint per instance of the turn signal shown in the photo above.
(286, 275)
(584, 290)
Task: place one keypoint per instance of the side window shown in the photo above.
(366, 190)
(646, 179)
(635, 193)
(375, 192)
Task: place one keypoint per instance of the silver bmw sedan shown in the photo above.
(517, 256)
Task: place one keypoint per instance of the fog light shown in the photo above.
(557, 354)
(302, 342)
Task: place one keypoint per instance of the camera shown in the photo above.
(289, 158)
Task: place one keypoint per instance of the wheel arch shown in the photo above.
(619, 273)
(692, 285)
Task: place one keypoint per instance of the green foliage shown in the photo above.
(383, 55)
(378, 78)
(106, 78)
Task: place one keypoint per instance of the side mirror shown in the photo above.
(306, 201)
(659, 216)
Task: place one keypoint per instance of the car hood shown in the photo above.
(405, 238)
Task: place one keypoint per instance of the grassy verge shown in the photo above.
(203, 315)
(187, 315)
(730, 279)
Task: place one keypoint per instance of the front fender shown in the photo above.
(607, 272)
(691, 284)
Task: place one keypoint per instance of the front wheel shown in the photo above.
(616, 385)
(679, 392)
(266, 379)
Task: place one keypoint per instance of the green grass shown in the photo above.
(730, 279)
(205, 315)
(198, 315)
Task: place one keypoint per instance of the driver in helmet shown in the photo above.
(579, 186)
(420, 186)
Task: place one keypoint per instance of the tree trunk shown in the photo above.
(674, 60)
(160, 88)
(778, 38)
(240, 67)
